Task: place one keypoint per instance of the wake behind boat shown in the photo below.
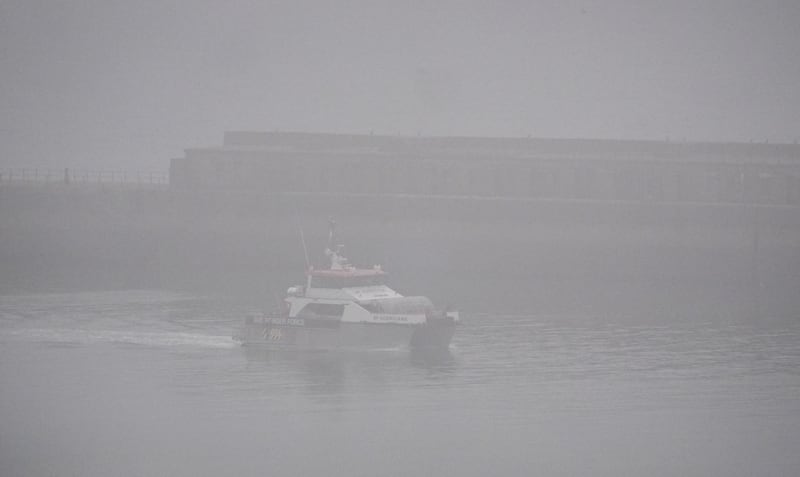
(344, 307)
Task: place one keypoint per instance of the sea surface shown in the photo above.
(146, 383)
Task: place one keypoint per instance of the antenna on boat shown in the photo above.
(334, 250)
(302, 239)
(305, 249)
(331, 233)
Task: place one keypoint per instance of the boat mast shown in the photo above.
(302, 240)
(333, 251)
(305, 249)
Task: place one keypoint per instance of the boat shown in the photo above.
(345, 307)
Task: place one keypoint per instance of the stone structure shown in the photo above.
(567, 169)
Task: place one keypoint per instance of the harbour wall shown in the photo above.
(510, 168)
(644, 259)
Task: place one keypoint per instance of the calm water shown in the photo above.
(150, 383)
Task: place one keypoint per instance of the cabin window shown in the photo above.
(372, 307)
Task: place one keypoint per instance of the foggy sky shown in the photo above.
(123, 84)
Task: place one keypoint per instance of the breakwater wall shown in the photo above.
(512, 168)
(645, 259)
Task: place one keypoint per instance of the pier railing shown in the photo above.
(67, 176)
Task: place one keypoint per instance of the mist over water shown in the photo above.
(143, 383)
(608, 192)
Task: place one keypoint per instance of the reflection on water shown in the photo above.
(143, 383)
(327, 373)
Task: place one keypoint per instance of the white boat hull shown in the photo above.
(283, 332)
